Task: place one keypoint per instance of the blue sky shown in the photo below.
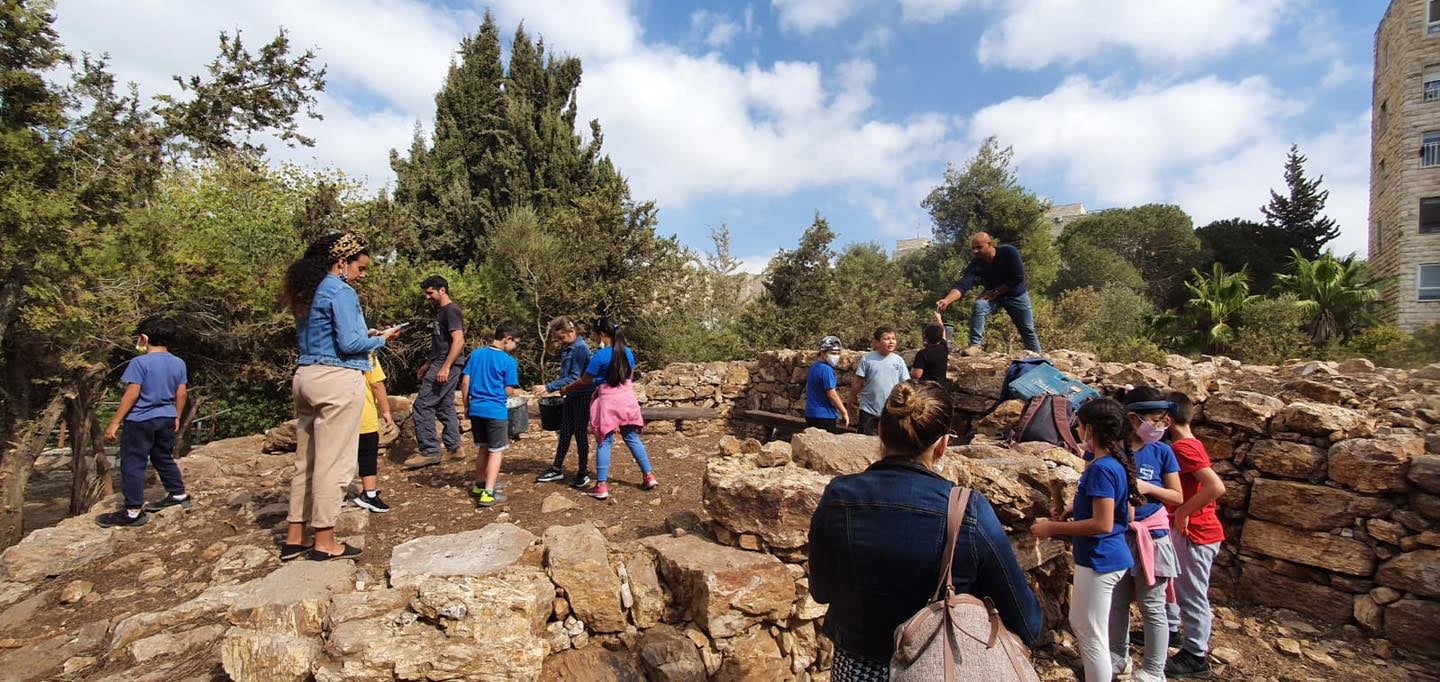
(757, 114)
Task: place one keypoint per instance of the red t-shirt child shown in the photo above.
(1205, 528)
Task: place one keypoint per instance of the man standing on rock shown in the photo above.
(439, 377)
(1000, 269)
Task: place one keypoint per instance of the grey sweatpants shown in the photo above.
(1151, 599)
(1192, 595)
(1090, 619)
(437, 400)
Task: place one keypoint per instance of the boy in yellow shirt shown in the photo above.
(375, 409)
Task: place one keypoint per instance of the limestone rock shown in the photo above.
(249, 656)
(555, 503)
(401, 647)
(471, 553)
(58, 550)
(1373, 465)
(1386, 531)
(1415, 572)
(175, 644)
(754, 655)
(644, 583)
(291, 600)
(725, 590)
(1242, 409)
(360, 605)
(75, 590)
(519, 598)
(1287, 459)
(1002, 420)
(578, 561)
(1312, 507)
(1265, 587)
(773, 454)
(1330, 552)
(1218, 443)
(241, 560)
(774, 503)
(1368, 613)
(669, 656)
(1425, 472)
(592, 664)
(280, 439)
(832, 453)
(1413, 624)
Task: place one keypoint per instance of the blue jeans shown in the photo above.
(1018, 306)
(151, 441)
(631, 435)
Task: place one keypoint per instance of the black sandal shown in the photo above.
(289, 551)
(347, 553)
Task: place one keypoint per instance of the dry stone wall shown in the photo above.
(1332, 471)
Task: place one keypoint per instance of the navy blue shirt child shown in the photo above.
(1107, 552)
(818, 382)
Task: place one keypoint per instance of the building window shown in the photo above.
(1380, 177)
(1427, 286)
(1383, 118)
(1431, 79)
(1379, 230)
(1432, 19)
(1430, 149)
(1430, 215)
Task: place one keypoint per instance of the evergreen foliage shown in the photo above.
(1297, 215)
(1335, 295)
(1237, 243)
(1147, 248)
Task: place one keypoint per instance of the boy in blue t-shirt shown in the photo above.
(491, 376)
(823, 407)
(150, 409)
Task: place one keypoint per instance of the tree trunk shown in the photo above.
(10, 295)
(17, 459)
(184, 437)
(89, 466)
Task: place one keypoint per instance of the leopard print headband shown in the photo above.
(347, 246)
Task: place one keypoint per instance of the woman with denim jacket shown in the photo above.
(877, 536)
(329, 388)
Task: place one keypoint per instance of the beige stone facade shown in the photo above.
(1405, 171)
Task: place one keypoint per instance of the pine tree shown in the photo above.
(1298, 216)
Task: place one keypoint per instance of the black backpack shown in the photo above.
(1047, 419)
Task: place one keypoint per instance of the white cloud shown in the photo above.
(584, 28)
(756, 264)
(714, 29)
(807, 16)
(1214, 147)
(874, 39)
(928, 11)
(1034, 34)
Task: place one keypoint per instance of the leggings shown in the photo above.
(1152, 613)
(631, 436)
(1090, 619)
(369, 453)
(574, 423)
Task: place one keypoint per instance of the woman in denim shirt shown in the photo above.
(876, 539)
(329, 388)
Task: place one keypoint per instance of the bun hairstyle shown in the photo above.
(916, 414)
(1109, 426)
(304, 275)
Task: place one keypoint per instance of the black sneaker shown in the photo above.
(581, 482)
(550, 476)
(1186, 664)
(1137, 637)
(169, 501)
(371, 502)
(121, 519)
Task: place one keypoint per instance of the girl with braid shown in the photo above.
(1101, 512)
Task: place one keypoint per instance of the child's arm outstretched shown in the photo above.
(127, 401)
(1101, 522)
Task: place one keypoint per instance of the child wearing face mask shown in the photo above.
(823, 407)
(1157, 474)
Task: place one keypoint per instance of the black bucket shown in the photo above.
(551, 411)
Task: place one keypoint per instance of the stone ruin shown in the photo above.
(1333, 476)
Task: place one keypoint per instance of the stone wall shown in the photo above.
(1332, 469)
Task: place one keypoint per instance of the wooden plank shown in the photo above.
(787, 423)
(669, 413)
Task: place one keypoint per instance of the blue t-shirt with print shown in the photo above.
(1107, 552)
(490, 370)
(1152, 462)
(818, 382)
(159, 375)
(599, 365)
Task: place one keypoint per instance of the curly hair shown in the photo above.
(916, 414)
(305, 274)
(1110, 428)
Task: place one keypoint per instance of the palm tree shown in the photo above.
(1216, 299)
(1336, 294)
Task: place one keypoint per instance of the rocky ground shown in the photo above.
(201, 594)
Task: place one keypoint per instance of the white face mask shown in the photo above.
(833, 359)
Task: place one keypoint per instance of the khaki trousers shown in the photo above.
(328, 402)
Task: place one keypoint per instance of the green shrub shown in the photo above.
(1271, 331)
(1389, 346)
(1109, 322)
(242, 410)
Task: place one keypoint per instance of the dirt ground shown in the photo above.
(433, 501)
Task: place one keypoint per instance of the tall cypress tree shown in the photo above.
(1298, 216)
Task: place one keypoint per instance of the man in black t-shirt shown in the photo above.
(1002, 273)
(439, 377)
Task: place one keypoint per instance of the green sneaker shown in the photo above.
(477, 489)
(489, 498)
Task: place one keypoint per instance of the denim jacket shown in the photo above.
(335, 332)
(573, 360)
(875, 545)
